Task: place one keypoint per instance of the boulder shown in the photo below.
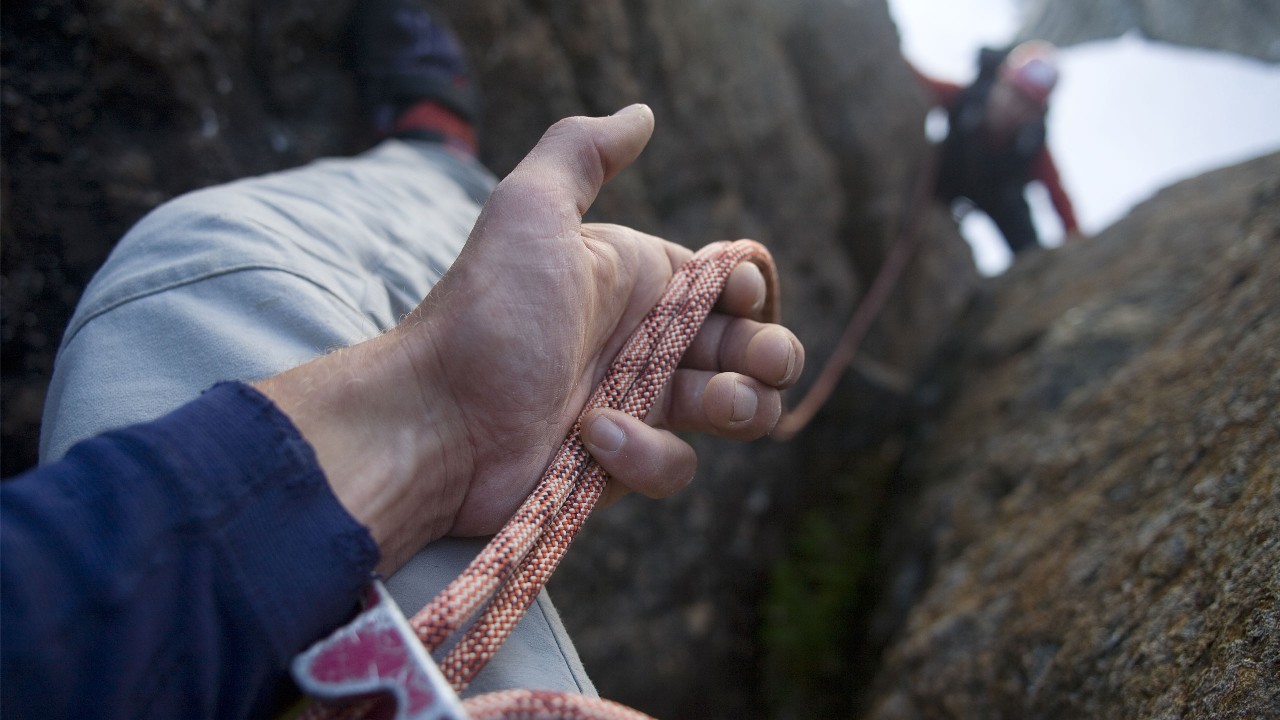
(1092, 531)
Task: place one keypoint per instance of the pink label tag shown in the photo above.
(378, 652)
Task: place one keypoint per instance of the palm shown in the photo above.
(445, 425)
(558, 298)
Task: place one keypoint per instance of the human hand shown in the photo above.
(468, 399)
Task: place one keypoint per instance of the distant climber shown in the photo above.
(995, 142)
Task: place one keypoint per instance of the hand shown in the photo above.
(445, 424)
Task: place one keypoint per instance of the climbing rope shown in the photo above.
(471, 618)
(507, 575)
(868, 309)
(504, 579)
(546, 705)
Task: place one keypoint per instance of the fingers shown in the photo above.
(655, 462)
(769, 353)
(744, 294)
(728, 341)
(577, 155)
(652, 462)
(728, 405)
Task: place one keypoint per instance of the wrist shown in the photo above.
(382, 442)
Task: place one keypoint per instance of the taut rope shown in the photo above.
(868, 309)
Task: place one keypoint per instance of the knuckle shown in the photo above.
(576, 125)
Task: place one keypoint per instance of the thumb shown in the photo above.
(577, 155)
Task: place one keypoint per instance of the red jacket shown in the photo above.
(1043, 169)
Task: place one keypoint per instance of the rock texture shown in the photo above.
(1097, 516)
(110, 108)
(795, 123)
(1246, 27)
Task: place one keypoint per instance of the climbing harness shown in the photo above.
(381, 652)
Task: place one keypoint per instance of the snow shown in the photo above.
(1129, 117)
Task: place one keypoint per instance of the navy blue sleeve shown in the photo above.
(173, 569)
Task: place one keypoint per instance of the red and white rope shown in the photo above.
(504, 579)
(544, 705)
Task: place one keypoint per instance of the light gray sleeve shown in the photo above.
(247, 279)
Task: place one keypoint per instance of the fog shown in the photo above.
(1129, 116)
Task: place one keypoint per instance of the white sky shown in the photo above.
(1129, 116)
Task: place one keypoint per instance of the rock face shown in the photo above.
(1247, 28)
(794, 123)
(111, 108)
(1096, 524)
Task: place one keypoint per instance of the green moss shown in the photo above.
(820, 594)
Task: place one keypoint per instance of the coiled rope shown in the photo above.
(504, 579)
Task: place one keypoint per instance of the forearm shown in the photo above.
(172, 569)
(378, 423)
(1047, 173)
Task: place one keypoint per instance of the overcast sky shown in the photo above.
(1129, 116)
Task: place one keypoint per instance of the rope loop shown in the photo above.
(500, 584)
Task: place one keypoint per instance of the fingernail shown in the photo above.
(605, 434)
(770, 337)
(763, 291)
(792, 359)
(744, 403)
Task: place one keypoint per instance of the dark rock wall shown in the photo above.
(1095, 533)
(108, 109)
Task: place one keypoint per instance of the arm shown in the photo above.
(465, 429)
(172, 569)
(1045, 171)
(440, 426)
(943, 93)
